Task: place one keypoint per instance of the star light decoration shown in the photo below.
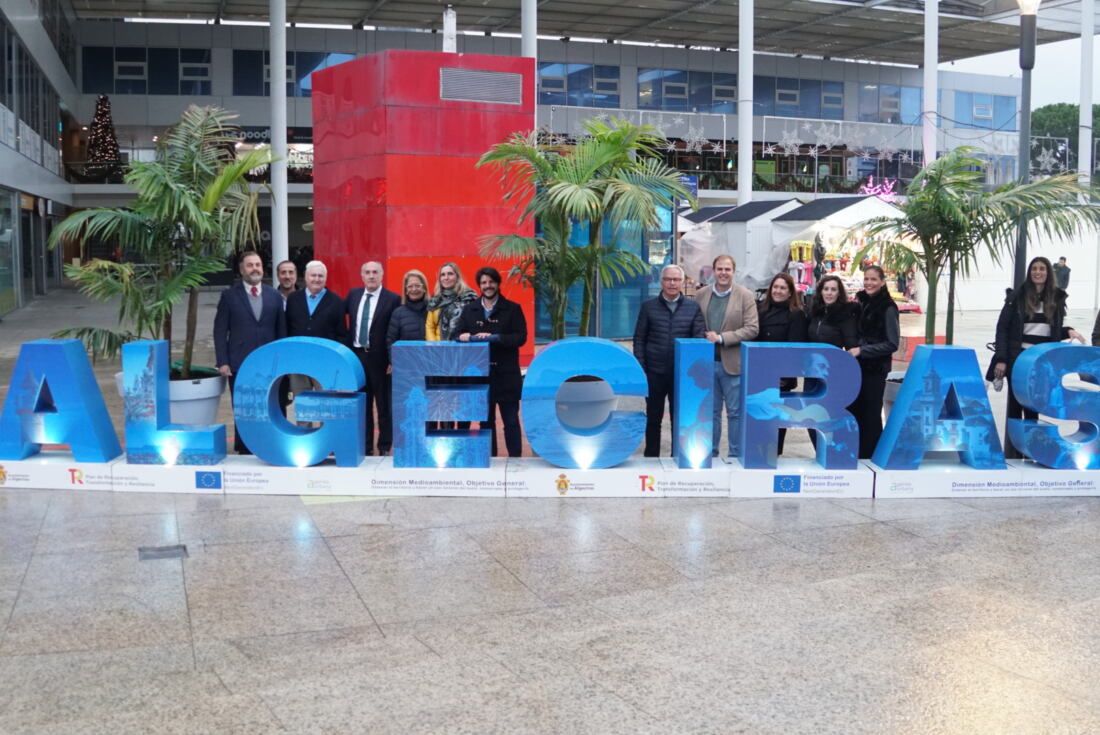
(695, 140)
(1047, 161)
(719, 148)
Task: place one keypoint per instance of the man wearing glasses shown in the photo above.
(661, 322)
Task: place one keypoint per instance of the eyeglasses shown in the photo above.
(672, 280)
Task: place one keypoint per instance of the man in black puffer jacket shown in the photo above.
(660, 322)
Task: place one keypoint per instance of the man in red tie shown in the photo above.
(249, 315)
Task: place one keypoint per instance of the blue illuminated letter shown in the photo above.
(605, 445)
(151, 438)
(693, 430)
(822, 406)
(341, 411)
(53, 398)
(415, 404)
(1037, 383)
(942, 407)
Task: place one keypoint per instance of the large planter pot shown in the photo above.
(584, 404)
(192, 402)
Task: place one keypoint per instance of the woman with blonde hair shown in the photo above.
(408, 320)
(446, 304)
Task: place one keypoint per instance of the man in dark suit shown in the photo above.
(249, 315)
(368, 314)
(500, 322)
(315, 311)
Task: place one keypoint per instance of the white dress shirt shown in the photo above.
(370, 315)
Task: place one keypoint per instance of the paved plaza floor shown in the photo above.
(565, 615)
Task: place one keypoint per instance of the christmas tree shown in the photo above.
(102, 143)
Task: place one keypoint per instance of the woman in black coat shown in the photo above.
(879, 336)
(1033, 314)
(407, 320)
(832, 320)
(782, 319)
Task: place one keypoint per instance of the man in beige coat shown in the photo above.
(730, 313)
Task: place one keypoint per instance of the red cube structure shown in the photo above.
(396, 137)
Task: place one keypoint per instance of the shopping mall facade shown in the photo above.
(821, 125)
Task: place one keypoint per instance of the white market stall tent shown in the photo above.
(741, 231)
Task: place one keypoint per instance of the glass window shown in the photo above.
(809, 98)
(248, 73)
(649, 88)
(787, 97)
(982, 110)
(578, 85)
(832, 100)
(290, 83)
(9, 242)
(605, 86)
(700, 94)
(663, 89)
(763, 95)
(552, 84)
(305, 63)
(911, 99)
(164, 71)
(889, 103)
(98, 70)
(725, 92)
(868, 103)
(1004, 113)
(964, 109)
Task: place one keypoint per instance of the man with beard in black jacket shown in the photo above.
(661, 321)
(500, 322)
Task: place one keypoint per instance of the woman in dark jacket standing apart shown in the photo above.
(782, 319)
(1032, 314)
(407, 321)
(879, 336)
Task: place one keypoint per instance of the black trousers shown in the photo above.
(868, 406)
(378, 390)
(660, 391)
(509, 416)
(1015, 411)
(238, 443)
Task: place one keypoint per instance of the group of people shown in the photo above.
(368, 321)
(371, 318)
(727, 314)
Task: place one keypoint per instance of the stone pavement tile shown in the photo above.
(197, 713)
(576, 577)
(17, 541)
(24, 505)
(776, 516)
(382, 549)
(67, 506)
(107, 533)
(250, 664)
(252, 524)
(273, 606)
(199, 502)
(23, 705)
(113, 617)
(256, 562)
(345, 519)
(877, 541)
(408, 594)
(82, 669)
(363, 699)
(672, 524)
(892, 509)
(752, 554)
(572, 534)
(464, 511)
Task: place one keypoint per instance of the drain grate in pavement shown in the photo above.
(148, 553)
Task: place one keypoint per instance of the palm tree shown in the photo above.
(193, 207)
(610, 180)
(950, 220)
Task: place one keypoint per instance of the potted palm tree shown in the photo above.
(193, 208)
(949, 219)
(611, 181)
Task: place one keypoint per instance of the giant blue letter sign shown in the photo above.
(606, 445)
(341, 411)
(151, 438)
(1037, 383)
(942, 406)
(693, 427)
(415, 404)
(822, 406)
(53, 398)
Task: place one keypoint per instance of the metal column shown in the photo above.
(280, 228)
(931, 79)
(1084, 129)
(744, 101)
(529, 43)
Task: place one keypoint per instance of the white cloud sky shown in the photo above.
(1057, 73)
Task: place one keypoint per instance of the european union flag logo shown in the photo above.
(787, 484)
(208, 480)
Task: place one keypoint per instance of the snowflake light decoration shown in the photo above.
(718, 148)
(768, 150)
(789, 142)
(1047, 161)
(695, 140)
(678, 120)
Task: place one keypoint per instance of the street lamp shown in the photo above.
(1028, 11)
